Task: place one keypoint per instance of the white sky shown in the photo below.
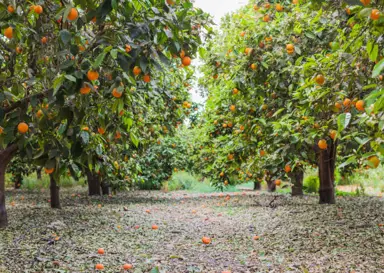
(217, 8)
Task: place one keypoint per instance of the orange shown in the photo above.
(99, 267)
(248, 50)
(129, 266)
(19, 50)
(230, 157)
(262, 153)
(375, 161)
(322, 144)
(375, 14)
(235, 91)
(295, 2)
(73, 14)
(101, 130)
(49, 171)
(338, 105)
(81, 48)
(225, 125)
(279, 7)
(253, 66)
(242, 34)
(290, 48)
(360, 105)
(186, 61)
(38, 9)
(170, 2)
(39, 114)
(365, 2)
(278, 182)
(136, 71)
(11, 9)
(117, 135)
(44, 40)
(221, 174)
(22, 127)
(261, 45)
(155, 227)
(85, 90)
(267, 5)
(206, 240)
(182, 54)
(128, 48)
(320, 79)
(266, 18)
(232, 108)
(347, 103)
(256, 7)
(256, 237)
(116, 93)
(146, 78)
(287, 168)
(8, 32)
(1, 130)
(92, 75)
(86, 128)
(101, 251)
(333, 134)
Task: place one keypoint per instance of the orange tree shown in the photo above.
(270, 108)
(71, 74)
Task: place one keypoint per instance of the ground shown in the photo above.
(295, 234)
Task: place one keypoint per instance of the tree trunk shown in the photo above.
(271, 185)
(18, 181)
(297, 177)
(93, 183)
(105, 188)
(38, 173)
(5, 157)
(327, 161)
(55, 190)
(256, 186)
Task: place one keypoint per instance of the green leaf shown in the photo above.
(374, 53)
(378, 68)
(343, 121)
(155, 270)
(71, 78)
(65, 36)
(114, 53)
(350, 160)
(134, 139)
(99, 60)
(57, 83)
(84, 137)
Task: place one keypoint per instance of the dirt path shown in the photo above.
(296, 235)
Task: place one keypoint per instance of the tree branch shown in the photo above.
(24, 101)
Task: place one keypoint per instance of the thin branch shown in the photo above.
(24, 101)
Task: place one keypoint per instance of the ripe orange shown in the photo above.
(279, 7)
(129, 266)
(365, 2)
(266, 18)
(85, 128)
(182, 54)
(1, 130)
(375, 161)
(232, 108)
(8, 32)
(333, 134)
(295, 2)
(19, 50)
(206, 240)
(320, 79)
(117, 135)
(278, 182)
(101, 251)
(128, 48)
(322, 144)
(155, 227)
(235, 91)
(253, 66)
(38, 9)
(136, 71)
(73, 14)
(267, 5)
(146, 78)
(290, 48)
(11, 9)
(101, 130)
(92, 75)
(85, 90)
(221, 174)
(116, 93)
(247, 50)
(170, 2)
(256, 237)
(39, 114)
(44, 40)
(375, 14)
(287, 168)
(242, 34)
(49, 171)
(225, 125)
(186, 61)
(262, 153)
(99, 267)
(360, 105)
(347, 103)
(22, 127)
(338, 105)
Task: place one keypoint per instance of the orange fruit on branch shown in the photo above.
(22, 127)
(232, 108)
(277, 182)
(146, 78)
(49, 171)
(320, 79)
(38, 9)
(253, 66)
(11, 9)
(347, 103)
(279, 7)
(73, 14)
(116, 93)
(375, 14)
(8, 32)
(85, 90)
(266, 18)
(287, 168)
(360, 105)
(186, 61)
(136, 71)
(374, 160)
(235, 91)
(101, 130)
(333, 134)
(92, 75)
(365, 2)
(322, 144)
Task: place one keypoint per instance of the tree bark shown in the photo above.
(5, 157)
(271, 185)
(327, 160)
(297, 177)
(256, 186)
(38, 173)
(55, 193)
(18, 181)
(105, 188)
(93, 183)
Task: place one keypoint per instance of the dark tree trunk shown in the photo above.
(297, 178)
(18, 181)
(105, 188)
(327, 159)
(93, 183)
(5, 157)
(38, 173)
(271, 185)
(55, 193)
(256, 185)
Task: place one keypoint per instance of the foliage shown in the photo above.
(311, 184)
(180, 181)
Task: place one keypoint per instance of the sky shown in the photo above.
(217, 8)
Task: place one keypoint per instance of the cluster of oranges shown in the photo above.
(100, 266)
